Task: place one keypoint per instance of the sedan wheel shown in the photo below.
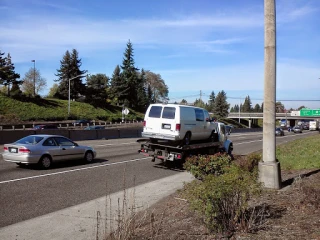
(88, 157)
(45, 162)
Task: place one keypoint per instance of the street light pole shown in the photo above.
(34, 77)
(69, 80)
(239, 108)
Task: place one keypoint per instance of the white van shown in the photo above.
(178, 122)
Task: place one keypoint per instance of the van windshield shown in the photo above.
(169, 112)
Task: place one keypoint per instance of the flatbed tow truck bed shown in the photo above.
(171, 151)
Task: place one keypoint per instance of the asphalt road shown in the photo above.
(27, 192)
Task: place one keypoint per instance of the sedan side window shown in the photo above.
(64, 142)
(49, 142)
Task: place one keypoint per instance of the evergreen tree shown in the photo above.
(221, 106)
(246, 105)
(232, 110)
(15, 89)
(8, 76)
(199, 103)
(117, 86)
(130, 77)
(257, 108)
(236, 108)
(69, 69)
(2, 67)
(141, 88)
(184, 102)
(212, 98)
(97, 89)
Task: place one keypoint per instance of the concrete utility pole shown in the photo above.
(269, 169)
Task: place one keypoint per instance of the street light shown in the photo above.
(81, 75)
(34, 77)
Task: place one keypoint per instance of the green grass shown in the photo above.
(29, 109)
(300, 154)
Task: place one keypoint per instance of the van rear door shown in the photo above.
(153, 119)
(168, 120)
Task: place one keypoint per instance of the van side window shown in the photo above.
(155, 111)
(206, 115)
(199, 115)
(169, 112)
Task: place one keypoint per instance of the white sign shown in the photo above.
(125, 111)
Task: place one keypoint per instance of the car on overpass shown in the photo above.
(279, 131)
(297, 129)
(44, 126)
(43, 149)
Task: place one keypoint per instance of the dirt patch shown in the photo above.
(293, 214)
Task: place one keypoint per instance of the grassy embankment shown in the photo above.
(31, 109)
(300, 154)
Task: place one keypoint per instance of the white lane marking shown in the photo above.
(286, 136)
(74, 170)
(247, 142)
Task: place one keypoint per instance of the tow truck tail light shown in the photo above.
(24, 150)
(5, 148)
(178, 156)
(178, 127)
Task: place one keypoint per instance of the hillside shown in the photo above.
(13, 110)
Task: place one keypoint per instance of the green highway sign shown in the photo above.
(310, 113)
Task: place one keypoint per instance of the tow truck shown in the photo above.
(175, 151)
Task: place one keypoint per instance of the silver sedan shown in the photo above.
(45, 149)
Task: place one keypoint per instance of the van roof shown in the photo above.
(173, 105)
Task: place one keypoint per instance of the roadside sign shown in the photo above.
(125, 111)
(310, 112)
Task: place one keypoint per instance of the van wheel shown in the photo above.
(187, 139)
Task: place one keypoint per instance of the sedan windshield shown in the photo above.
(30, 140)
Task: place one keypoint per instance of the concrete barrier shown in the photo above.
(9, 136)
(12, 135)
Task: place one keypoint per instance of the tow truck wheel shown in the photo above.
(187, 138)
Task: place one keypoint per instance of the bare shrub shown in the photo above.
(250, 162)
(311, 193)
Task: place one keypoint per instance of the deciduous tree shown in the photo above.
(28, 82)
(53, 90)
(158, 87)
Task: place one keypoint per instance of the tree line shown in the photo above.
(128, 86)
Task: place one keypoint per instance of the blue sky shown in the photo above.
(207, 45)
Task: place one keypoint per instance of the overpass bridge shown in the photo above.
(253, 117)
